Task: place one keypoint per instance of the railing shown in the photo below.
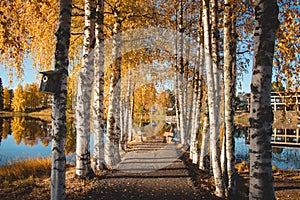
(283, 137)
(286, 137)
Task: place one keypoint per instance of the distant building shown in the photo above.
(287, 102)
(279, 101)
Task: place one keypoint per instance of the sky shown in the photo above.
(30, 75)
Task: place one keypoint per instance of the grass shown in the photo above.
(26, 169)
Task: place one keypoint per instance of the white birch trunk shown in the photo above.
(194, 107)
(112, 154)
(197, 120)
(212, 100)
(189, 94)
(261, 115)
(125, 136)
(229, 94)
(181, 88)
(205, 139)
(198, 99)
(83, 103)
(176, 84)
(130, 117)
(215, 58)
(193, 145)
(223, 159)
(122, 121)
(59, 130)
(98, 91)
(177, 106)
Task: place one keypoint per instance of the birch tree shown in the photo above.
(1, 95)
(84, 90)
(205, 138)
(128, 13)
(261, 115)
(181, 87)
(198, 94)
(98, 90)
(112, 153)
(229, 93)
(127, 116)
(212, 102)
(59, 132)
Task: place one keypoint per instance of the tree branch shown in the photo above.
(78, 33)
(111, 6)
(77, 7)
(242, 52)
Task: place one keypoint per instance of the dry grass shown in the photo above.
(22, 170)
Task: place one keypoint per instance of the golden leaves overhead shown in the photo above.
(287, 57)
(27, 31)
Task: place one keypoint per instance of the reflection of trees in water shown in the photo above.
(288, 158)
(277, 150)
(5, 128)
(29, 131)
(1, 123)
(241, 131)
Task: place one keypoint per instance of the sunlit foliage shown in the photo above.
(287, 57)
(19, 100)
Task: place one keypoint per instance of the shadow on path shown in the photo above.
(148, 175)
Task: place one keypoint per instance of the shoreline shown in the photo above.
(290, 121)
(44, 114)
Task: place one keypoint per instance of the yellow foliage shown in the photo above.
(164, 99)
(287, 45)
(6, 99)
(144, 100)
(18, 101)
(32, 96)
(27, 29)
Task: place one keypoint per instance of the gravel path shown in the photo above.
(148, 171)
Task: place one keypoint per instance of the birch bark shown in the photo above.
(59, 131)
(205, 139)
(98, 90)
(212, 104)
(261, 115)
(229, 94)
(112, 153)
(181, 87)
(84, 91)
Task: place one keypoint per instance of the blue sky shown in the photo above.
(30, 75)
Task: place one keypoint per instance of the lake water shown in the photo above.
(27, 138)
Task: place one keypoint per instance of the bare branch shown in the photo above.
(76, 33)
(77, 7)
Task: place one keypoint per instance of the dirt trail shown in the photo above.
(149, 171)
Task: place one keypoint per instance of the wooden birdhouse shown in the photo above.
(51, 81)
